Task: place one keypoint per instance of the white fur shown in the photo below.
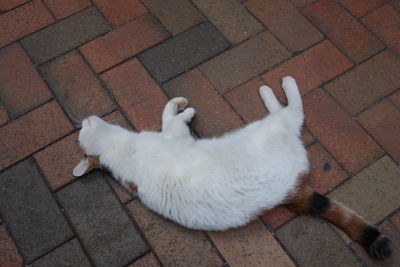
(207, 184)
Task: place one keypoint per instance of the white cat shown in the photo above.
(223, 182)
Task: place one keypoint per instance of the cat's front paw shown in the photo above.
(180, 102)
(288, 82)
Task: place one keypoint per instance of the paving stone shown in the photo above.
(313, 243)
(137, 93)
(125, 41)
(65, 35)
(100, 221)
(385, 23)
(276, 217)
(362, 7)
(76, 87)
(176, 15)
(22, 21)
(382, 121)
(58, 160)
(394, 260)
(286, 23)
(251, 245)
(395, 99)
(244, 61)
(325, 171)
(118, 119)
(69, 254)
(45, 125)
(21, 87)
(231, 18)
(65, 8)
(122, 193)
(396, 221)
(378, 188)
(147, 261)
(343, 29)
(9, 255)
(10, 4)
(342, 137)
(367, 83)
(3, 115)
(31, 213)
(302, 3)
(184, 51)
(120, 11)
(173, 244)
(396, 4)
(312, 68)
(213, 116)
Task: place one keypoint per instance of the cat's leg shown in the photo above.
(306, 201)
(174, 124)
(295, 104)
(171, 109)
(269, 98)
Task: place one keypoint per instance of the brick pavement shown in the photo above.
(61, 61)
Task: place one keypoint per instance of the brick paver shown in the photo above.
(344, 30)
(120, 11)
(283, 20)
(65, 35)
(173, 244)
(123, 42)
(61, 61)
(92, 208)
(176, 15)
(65, 8)
(21, 87)
(138, 94)
(37, 230)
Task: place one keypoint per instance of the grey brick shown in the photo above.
(65, 35)
(184, 51)
(69, 254)
(104, 228)
(313, 243)
(31, 214)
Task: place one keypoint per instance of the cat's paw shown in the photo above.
(180, 102)
(187, 114)
(265, 91)
(288, 82)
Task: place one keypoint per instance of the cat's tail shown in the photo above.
(306, 201)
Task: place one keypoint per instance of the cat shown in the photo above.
(223, 182)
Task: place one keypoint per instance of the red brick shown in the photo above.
(58, 160)
(385, 23)
(345, 31)
(277, 216)
(31, 132)
(21, 87)
(173, 244)
(22, 21)
(120, 11)
(123, 42)
(395, 99)
(315, 66)
(396, 221)
(367, 83)
(65, 8)
(382, 121)
(283, 20)
(147, 261)
(325, 171)
(362, 7)
(117, 119)
(246, 100)
(9, 4)
(307, 137)
(213, 116)
(176, 15)
(251, 245)
(137, 93)
(349, 144)
(9, 255)
(76, 86)
(302, 3)
(3, 115)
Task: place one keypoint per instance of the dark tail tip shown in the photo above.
(381, 248)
